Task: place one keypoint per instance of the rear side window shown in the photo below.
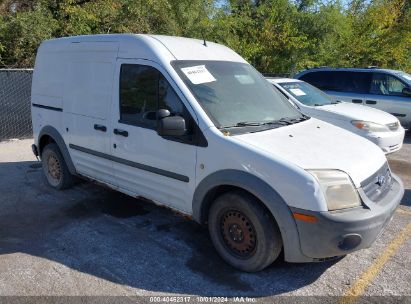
(354, 82)
(386, 84)
(340, 81)
(321, 80)
(144, 90)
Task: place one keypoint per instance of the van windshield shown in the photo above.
(306, 93)
(235, 95)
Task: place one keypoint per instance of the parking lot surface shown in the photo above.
(91, 241)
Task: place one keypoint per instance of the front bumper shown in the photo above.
(338, 233)
(389, 142)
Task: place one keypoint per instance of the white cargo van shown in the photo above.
(191, 125)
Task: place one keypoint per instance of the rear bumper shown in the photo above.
(338, 233)
(389, 142)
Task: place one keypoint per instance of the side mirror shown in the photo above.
(163, 113)
(170, 125)
(406, 91)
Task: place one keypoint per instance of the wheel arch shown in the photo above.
(50, 134)
(219, 182)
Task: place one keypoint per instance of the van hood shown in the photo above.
(314, 144)
(359, 112)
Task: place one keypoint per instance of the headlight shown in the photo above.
(369, 126)
(338, 189)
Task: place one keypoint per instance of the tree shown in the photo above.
(279, 36)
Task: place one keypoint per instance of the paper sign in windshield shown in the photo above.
(198, 74)
(297, 92)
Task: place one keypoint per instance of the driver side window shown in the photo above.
(144, 90)
(385, 84)
(138, 95)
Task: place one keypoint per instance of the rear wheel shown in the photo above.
(55, 168)
(243, 232)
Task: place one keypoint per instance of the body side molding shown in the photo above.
(126, 162)
(36, 105)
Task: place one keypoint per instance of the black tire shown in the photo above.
(243, 232)
(55, 168)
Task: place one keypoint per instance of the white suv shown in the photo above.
(189, 124)
(387, 90)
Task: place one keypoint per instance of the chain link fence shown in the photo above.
(15, 109)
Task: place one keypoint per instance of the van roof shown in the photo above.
(148, 46)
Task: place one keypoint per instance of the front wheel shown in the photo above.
(243, 232)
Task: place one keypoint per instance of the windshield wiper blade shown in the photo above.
(282, 121)
(244, 124)
(303, 117)
(287, 121)
(248, 123)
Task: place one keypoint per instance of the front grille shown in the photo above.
(393, 126)
(378, 184)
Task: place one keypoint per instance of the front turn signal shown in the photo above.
(305, 217)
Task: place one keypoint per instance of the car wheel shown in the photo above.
(55, 168)
(243, 232)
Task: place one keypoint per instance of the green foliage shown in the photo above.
(278, 36)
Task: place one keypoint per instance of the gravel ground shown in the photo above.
(91, 241)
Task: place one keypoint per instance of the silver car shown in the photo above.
(387, 90)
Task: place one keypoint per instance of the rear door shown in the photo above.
(146, 164)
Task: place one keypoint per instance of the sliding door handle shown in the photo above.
(121, 132)
(370, 102)
(100, 128)
(356, 101)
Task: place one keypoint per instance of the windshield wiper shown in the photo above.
(287, 121)
(324, 104)
(282, 121)
(244, 124)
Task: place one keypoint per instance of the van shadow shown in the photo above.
(125, 240)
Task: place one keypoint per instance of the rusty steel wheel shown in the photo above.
(55, 168)
(238, 233)
(243, 231)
